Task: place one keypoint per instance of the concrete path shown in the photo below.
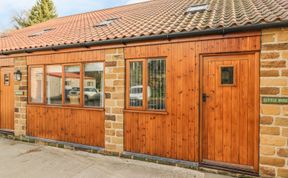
(24, 160)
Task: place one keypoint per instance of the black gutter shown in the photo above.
(219, 31)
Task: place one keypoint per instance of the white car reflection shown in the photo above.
(89, 93)
(136, 93)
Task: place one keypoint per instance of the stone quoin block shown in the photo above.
(267, 130)
(270, 55)
(282, 172)
(266, 120)
(267, 150)
(267, 171)
(270, 110)
(272, 161)
(273, 64)
(269, 73)
(277, 46)
(269, 90)
(282, 152)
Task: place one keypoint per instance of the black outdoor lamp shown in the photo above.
(18, 75)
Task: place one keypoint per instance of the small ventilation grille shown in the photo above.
(106, 22)
(197, 8)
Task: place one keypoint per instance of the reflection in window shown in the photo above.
(72, 84)
(54, 84)
(136, 84)
(36, 84)
(156, 84)
(227, 75)
(93, 85)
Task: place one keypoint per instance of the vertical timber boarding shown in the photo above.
(7, 99)
(230, 111)
(176, 132)
(66, 123)
(6, 64)
(102, 127)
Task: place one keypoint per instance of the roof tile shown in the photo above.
(147, 18)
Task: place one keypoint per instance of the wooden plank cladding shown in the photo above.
(67, 57)
(230, 114)
(6, 62)
(7, 98)
(223, 45)
(175, 132)
(68, 96)
(82, 126)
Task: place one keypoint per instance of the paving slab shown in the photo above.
(25, 160)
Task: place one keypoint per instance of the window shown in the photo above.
(39, 33)
(54, 84)
(197, 8)
(156, 84)
(136, 84)
(36, 83)
(227, 75)
(147, 84)
(6, 79)
(93, 84)
(72, 84)
(106, 22)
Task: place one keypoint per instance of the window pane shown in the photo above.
(136, 84)
(36, 85)
(93, 85)
(72, 84)
(227, 75)
(156, 91)
(54, 84)
(7, 79)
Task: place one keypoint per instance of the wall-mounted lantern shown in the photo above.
(18, 75)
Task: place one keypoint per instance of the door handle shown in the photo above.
(204, 97)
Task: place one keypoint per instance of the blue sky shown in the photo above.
(64, 7)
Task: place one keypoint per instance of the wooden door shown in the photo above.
(230, 111)
(7, 99)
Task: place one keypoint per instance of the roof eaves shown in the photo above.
(222, 31)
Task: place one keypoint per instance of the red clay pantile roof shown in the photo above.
(146, 19)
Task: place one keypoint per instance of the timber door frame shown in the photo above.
(257, 114)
